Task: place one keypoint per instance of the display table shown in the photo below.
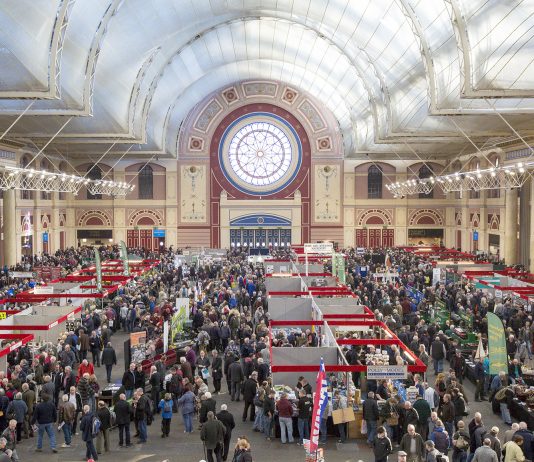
(521, 412)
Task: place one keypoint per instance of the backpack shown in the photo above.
(112, 417)
(441, 441)
(95, 426)
(167, 406)
(461, 443)
(501, 394)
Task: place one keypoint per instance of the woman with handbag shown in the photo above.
(203, 363)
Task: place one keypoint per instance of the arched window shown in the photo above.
(425, 172)
(24, 193)
(146, 182)
(374, 182)
(94, 173)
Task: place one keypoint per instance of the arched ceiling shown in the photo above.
(400, 76)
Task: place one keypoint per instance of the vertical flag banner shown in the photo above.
(498, 357)
(320, 401)
(341, 268)
(124, 258)
(165, 336)
(98, 266)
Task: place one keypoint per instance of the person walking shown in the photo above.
(484, 453)
(155, 387)
(45, 415)
(216, 371)
(95, 347)
(187, 403)
(28, 396)
(340, 402)
(102, 439)
(370, 415)
(212, 434)
(66, 416)
(382, 447)
(413, 445)
(250, 387)
(142, 414)
(87, 426)
(109, 359)
(10, 435)
(513, 450)
(229, 424)
(123, 417)
(165, 406)
(460, 443)
(17, 409)
(242, 452)
(438, 353)
(285, 416)
(236, 377)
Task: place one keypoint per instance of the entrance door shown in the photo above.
(388, 237)
(458, 239)
(132, 238)
(375, 238)
(145, 239)
(361, 238)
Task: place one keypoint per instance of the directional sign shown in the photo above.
(319, 247)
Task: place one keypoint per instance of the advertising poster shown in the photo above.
(165, 336)
(98, 266)
(138, 347)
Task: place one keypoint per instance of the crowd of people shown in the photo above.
(229, 317)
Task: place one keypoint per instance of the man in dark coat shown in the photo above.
(250, 387)
(109, 359)
(142, 414)
(86, 426)
(123, 413)
(208, 404)
(128, 381)
(263, 371)
(370, 414)
(528, 440)
(229, 423)
(155, 387)
(438, 353)
(216, 371)
(212, 435)
(236, 377)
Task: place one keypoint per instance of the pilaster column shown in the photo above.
(510, 230)
(10, 227)
(531, 263)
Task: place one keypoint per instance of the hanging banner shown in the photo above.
(165, 336)
(334, 264)
(124, 258)
(98, 266)
(179, 317)
(320, 403)
(340, 266)
(497, 345)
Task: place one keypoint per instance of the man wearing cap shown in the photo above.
(401, 456)
(431, 452)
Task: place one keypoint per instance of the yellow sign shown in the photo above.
(3, 315)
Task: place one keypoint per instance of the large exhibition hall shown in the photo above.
(191, 189)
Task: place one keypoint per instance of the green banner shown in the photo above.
(341, 268)
(124, 258)
(98, 266)
(498, 357)
(334, 264)
(440, 304)
(179, 317)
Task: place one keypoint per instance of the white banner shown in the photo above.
(436, 276)
(387, 372)
(21, 274)
(43, 290)
(165, 336)
(319, 247)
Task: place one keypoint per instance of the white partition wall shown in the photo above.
(290, 309)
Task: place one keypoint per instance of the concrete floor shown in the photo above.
(188, 448)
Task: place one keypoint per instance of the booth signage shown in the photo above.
(43, 290)
(387, 372)
(21, 274)
(319, 247)
(475, 236)
(3, 315)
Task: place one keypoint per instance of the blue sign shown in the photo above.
(475, 236)
(159, 233)
(45, 238)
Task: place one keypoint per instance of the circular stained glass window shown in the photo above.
(260, 153)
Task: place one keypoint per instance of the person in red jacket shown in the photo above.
(285, 415)
(84, 367)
